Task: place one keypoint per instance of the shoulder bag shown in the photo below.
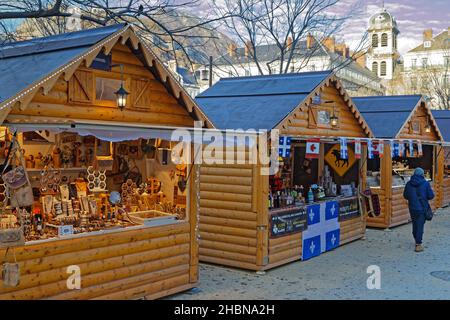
(426, 205)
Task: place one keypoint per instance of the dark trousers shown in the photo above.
(418, 223)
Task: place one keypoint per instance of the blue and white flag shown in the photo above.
(324, 233)
(313, 214)
(401, 149)
(369, 149)
(331, 210)
(284, 148)
(411, 148)
(394, 149)
(344, 150)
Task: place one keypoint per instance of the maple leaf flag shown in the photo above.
(312, 149)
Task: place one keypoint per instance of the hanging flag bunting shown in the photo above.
(395, 149)
(411, 148)
(284, 148)
(344, 150)
(419, 148)
(375, 144)
(369, 149)
(381, 148)
(357, 149)
(312, 149)
(401, 149)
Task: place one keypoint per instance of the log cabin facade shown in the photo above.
(54, 81)
(235, 221)
(400, 118)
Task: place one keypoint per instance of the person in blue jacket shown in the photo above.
(418, 192)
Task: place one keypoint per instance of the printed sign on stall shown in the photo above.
(348, 209)
(288, 222)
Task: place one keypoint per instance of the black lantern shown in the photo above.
(121, 93)
(427, 128)
(121, 97)
(334, 120)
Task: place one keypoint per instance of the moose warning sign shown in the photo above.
(339, 165)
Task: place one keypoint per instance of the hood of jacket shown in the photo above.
(417, 180)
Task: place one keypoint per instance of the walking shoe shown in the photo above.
(419, 248)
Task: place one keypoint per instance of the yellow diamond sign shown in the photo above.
(340, 166)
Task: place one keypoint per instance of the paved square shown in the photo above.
(341, 274)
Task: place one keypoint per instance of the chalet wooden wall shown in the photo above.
(230, 212)
(420, 115)
(302, 123)
(151, 262)
(149, 100)
(446, 192)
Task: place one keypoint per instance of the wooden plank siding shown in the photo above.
(229, 215)
(126, 264)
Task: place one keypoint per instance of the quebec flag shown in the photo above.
(323, 233)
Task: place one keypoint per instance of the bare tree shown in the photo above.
(164, 23)
(283, 24)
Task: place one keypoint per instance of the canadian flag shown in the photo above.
(312, 148)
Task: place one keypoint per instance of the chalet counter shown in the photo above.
(287, 246)
(129, 263)
(397, 207)
(446, 191)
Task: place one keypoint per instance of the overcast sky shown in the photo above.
(413, 16)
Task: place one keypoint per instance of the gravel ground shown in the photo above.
(342, 273)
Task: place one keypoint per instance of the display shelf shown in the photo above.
(35, 170)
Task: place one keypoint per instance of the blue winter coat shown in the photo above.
(418, 186)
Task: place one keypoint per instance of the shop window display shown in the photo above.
(82, 184)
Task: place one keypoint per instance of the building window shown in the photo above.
(415, 126)
(383, 68)
(230, 73)
(375, 40)
(424, 62)
(447, 61)
(427, 44)
(384, 40)
(375, 68)
(247, 73)
(323, 117)
(414, 63)
(312, 68)
(105, 88)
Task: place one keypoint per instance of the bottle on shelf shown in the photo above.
(310, 195)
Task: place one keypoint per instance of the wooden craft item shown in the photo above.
(56, 158)
(64, 191)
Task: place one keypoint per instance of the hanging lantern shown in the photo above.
(427, 127)
(121, 93)
(121, 97)
(334, 120)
